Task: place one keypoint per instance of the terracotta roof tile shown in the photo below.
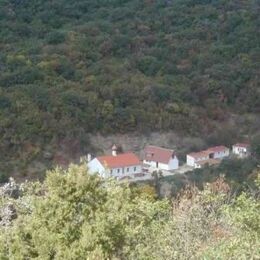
(158, 154)
(207, 152)
(219, 148)
(244, 145)
(199, 154)
(121, 160)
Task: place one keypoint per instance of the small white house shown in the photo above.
(116, 165)
(242, 150)
(193, 158)
(160, 158)
(216, 152)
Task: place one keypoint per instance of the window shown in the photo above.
(127, 169)
(134, 169)
(118, 170)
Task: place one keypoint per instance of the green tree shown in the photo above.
(81, 216)
(255, 146)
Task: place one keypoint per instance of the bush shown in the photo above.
(4, 102)
(4, 177)
(56, 37)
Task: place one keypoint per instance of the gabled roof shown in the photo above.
(219, 148)
(121, 160)
(244, 145)
(206, 153)
(199, 154)
(158, 154)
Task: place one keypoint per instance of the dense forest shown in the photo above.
(85, 218)
(68, 68)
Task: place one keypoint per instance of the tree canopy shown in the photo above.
(74, 215)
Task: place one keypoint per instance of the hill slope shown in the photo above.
(68, 68)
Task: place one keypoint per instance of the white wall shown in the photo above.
(241, 151)
(160, 166)
(236, 150)
(191, 160)
(95, 166)
(126, 171)
(172, 165)
(221, 154)
(163, 166)
(151, 163)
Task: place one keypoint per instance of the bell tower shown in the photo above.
(114, 150)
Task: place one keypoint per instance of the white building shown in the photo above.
(242, 150)
(217, 152)
(160, 158)
(116, 165)
(193, 158)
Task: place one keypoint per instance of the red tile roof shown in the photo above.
(207, 152)
(244, 145)
(199, 154)
(219, 148)
(121, 160)
(158, 154)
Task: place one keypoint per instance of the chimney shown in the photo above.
(89, 157)
(114, 150)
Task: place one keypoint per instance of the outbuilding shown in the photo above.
(242, 150)
(160, 158)
(216, 152)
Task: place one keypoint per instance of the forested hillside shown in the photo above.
(68, 68)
